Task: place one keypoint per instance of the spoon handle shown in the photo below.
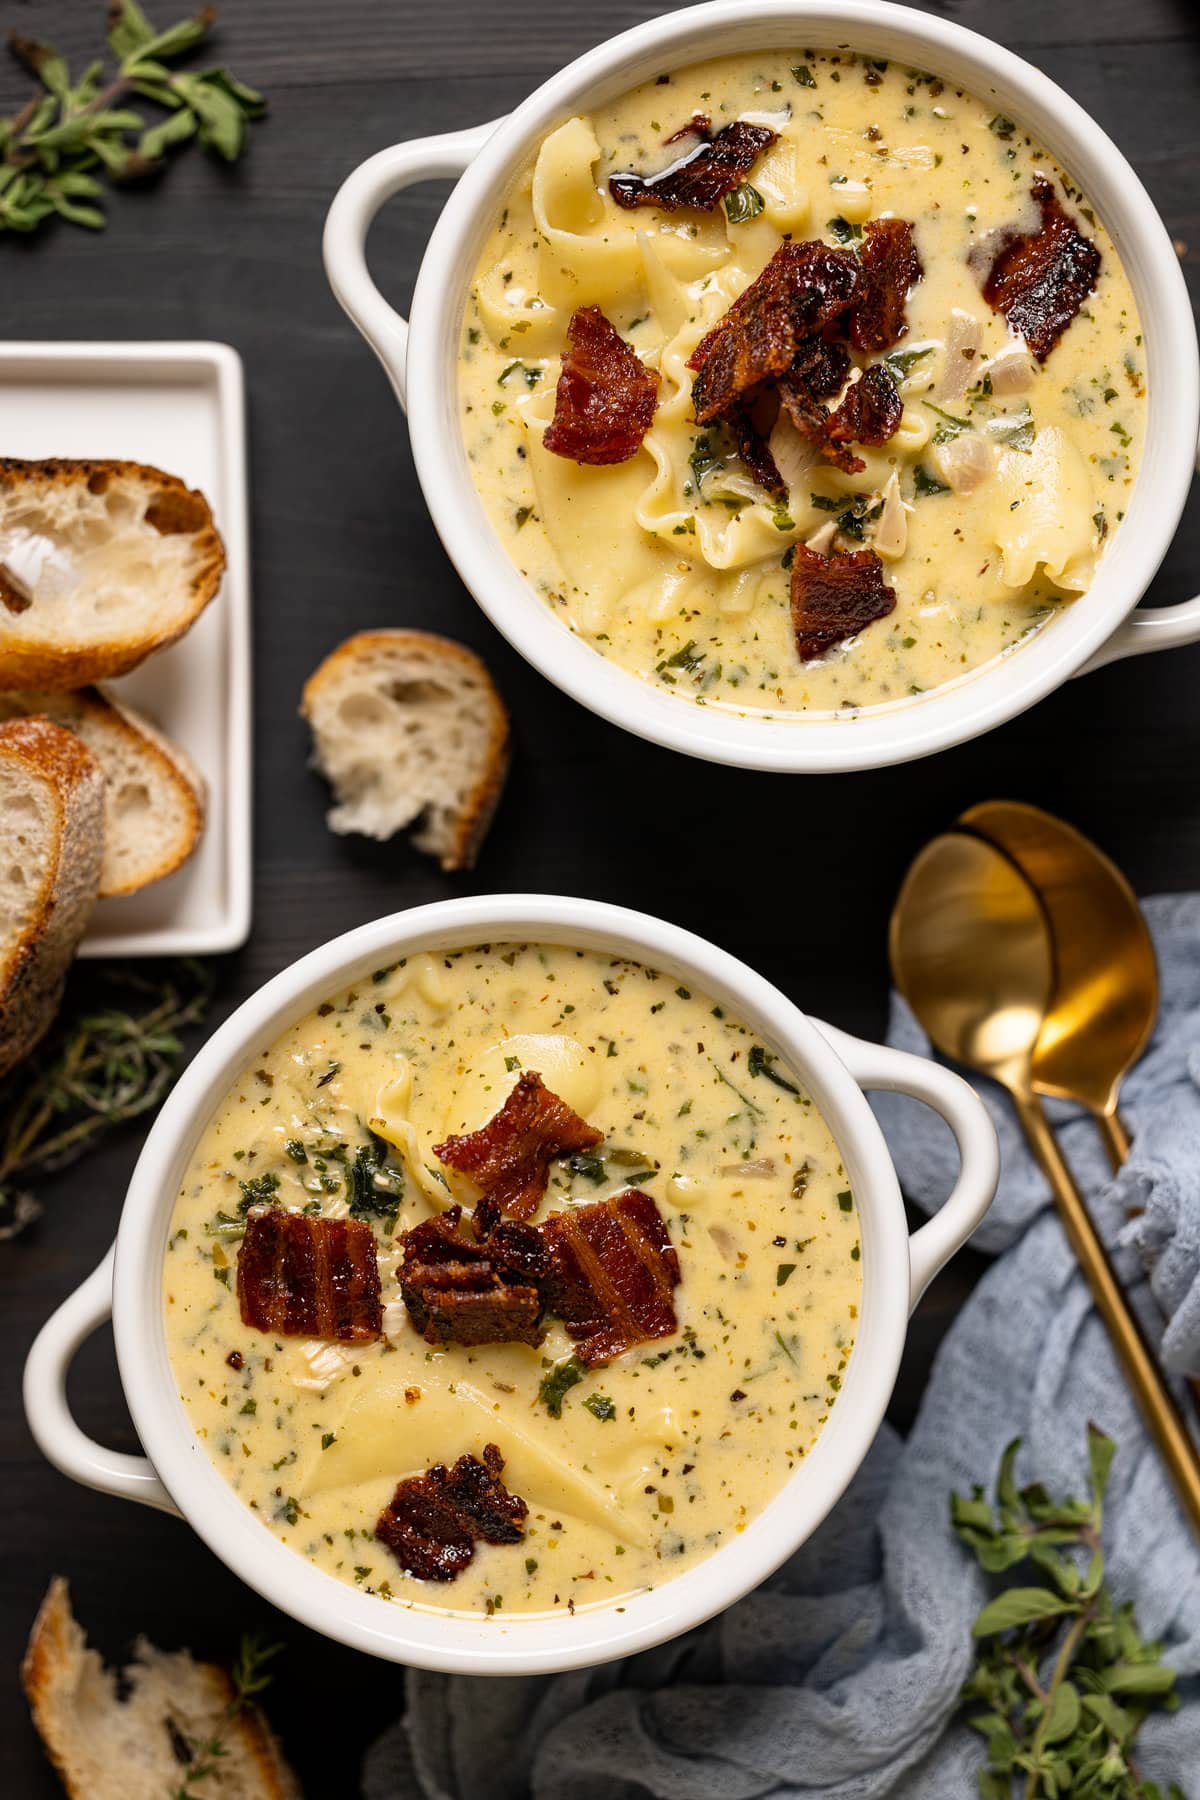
(1163, 1418)
(1117, 1140)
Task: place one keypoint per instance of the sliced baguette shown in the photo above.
(100, 563)
(140, 1747)
(51, 848)
(154, 795)
(408, 726)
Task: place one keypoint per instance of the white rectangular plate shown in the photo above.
(180, 407)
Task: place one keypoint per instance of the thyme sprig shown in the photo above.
(1063, 1679)
(111, 1056)
(249, 1676)
(68, 135)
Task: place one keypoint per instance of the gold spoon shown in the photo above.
(972, 954)
(1105, 998)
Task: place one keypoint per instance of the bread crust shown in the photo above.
(479, 807)
(31, 990)
(31, 665)
(149, 744)
(51, 1672)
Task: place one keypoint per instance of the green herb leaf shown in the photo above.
(924, 483)
(761, 1062)
(843, 230)
(743, 203)
(804, 75)
(553, 1387)
(1017, 1606)
(601, 1407)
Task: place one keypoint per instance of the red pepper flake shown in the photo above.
(606, 397)
(434, 1520)
(509, 1158)
(309, 1277)
(1040, 280)
(460, 1290)
(700, 178)
(835, 596)
(613, 1269)
(890, 267)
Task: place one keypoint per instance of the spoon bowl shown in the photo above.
(1105, 997)
(971, 951)
(973, 954)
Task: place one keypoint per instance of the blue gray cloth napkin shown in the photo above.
(839, 1678)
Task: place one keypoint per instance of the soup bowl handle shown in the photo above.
(349, 220)
(50, 1420)
(898, 1072)
(1150, 628)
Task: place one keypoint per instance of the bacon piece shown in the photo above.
(309, 1277)
(814, 421)
(611, 1274)
(433, 1521)
(1040, 280)
(824, 366)
(755, 452)
(509, 1158)
(700, 177)
(460, 1290)
(871, 410)
(699, 125)
(835, 596)
(802, 290)
(890, 267)
(606, 396)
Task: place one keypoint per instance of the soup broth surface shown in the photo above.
(674, 564)
(632, 1471)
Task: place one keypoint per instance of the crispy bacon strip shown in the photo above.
(612, 1272)
(309, 1277)
(890, 267)
(460, 1290)
(824, 365)
(509, 1158)
(871, 410)
(434, 1520)
(1040, 280)
(755, 452)
(835, 596)
(802, 290)
(700, 178)
(699, 125)
(606, 396)
(814, 421)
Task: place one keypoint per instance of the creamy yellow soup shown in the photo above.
(633, 1471)
(991, 505)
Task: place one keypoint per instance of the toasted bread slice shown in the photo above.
(408, 726)
(100, 563)
(141, 1747)
(154, 795)
(51, 848)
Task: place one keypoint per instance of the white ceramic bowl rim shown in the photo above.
(424, 361)
(510, 1644)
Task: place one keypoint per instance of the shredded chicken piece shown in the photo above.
(964, 462)
(963, 341)
(1011, 372)
(891, 532)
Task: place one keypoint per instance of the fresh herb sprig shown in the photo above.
(111, 1056)
(55, 152)
(1063, 1679)
(249, 1676)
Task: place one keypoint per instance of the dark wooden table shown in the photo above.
(341, 540)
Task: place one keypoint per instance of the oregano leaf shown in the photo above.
(1019, 1606)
